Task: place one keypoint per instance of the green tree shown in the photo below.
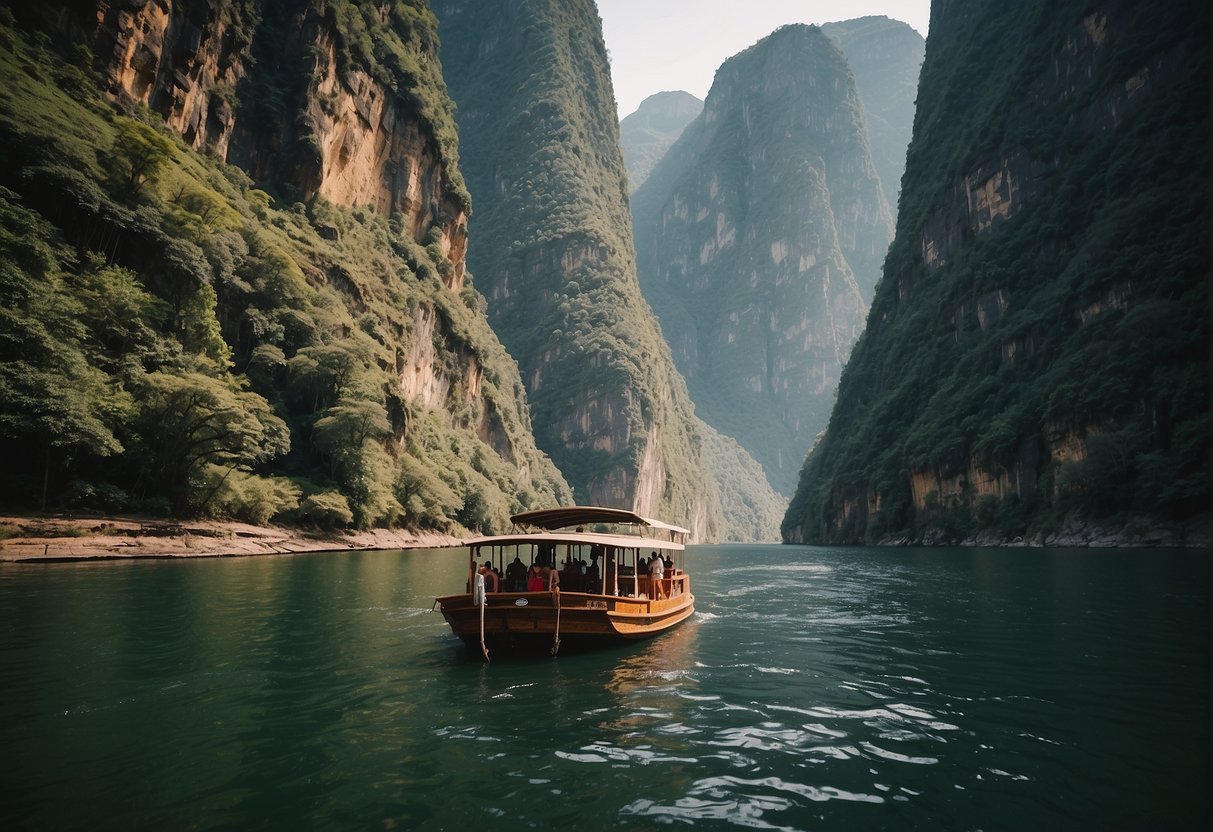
(140, 152)
(193, 420)
(50, 393)
(346, 427)
(198, 328)
(426, 499)
(319, 374)
(243, 495)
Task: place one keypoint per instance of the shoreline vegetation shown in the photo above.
(49, 539)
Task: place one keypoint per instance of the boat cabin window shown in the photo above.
(582, 567)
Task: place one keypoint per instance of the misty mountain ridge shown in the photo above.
(758, 236)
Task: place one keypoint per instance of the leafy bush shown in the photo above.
(328, 510)
(241, 495)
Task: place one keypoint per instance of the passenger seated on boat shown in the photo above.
(515, 575)
(492, 583)
(534, 579)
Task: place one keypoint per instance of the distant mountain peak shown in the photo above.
(885, 56)
(670, 101)
(647, 134)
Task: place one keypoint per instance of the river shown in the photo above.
(815, 688)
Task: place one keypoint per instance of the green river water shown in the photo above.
(815, 688)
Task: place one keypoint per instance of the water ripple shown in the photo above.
(813, 689)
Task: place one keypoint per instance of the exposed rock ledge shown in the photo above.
(1141, 533)
(80, 538)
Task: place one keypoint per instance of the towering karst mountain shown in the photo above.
(647, 134)
(554, 254)
(1035, 362)
(302, 343)
(758, 237)
(885, 57)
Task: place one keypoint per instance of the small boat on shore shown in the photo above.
(575, 577)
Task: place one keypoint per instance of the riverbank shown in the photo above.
(49, 539)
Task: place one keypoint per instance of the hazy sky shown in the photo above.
(658, 45)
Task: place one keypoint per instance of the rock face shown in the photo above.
(1038, 347)
(647, 134)
(885, 56)
(331, 103)
(758, 236)
(182, 60)
(554, 254)
(312, 116)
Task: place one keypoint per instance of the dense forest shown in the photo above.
(1036, 356)
(177, 337)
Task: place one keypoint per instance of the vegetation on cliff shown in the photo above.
(1039, 344)
(553, 250)
(173, 339)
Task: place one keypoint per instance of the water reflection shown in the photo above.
(655, 663)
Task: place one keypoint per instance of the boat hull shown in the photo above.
(527, 621)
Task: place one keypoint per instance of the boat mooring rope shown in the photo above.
(480, 599)
(556, 601)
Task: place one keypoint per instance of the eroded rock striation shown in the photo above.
(281, 90)
(758, 237)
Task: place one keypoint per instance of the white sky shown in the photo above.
(658, 45)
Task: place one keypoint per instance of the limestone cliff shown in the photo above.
(758, 236)
(885, 56)
(314, 116)
(647, 134)
(1038, 347)
(333, 294)
(554, 253)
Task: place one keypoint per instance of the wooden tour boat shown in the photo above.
(543, 599)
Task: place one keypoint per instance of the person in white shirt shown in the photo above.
(656, 574)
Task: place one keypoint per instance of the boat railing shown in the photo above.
(644, 587)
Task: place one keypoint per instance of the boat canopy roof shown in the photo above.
(618, 541)
(568, 516)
